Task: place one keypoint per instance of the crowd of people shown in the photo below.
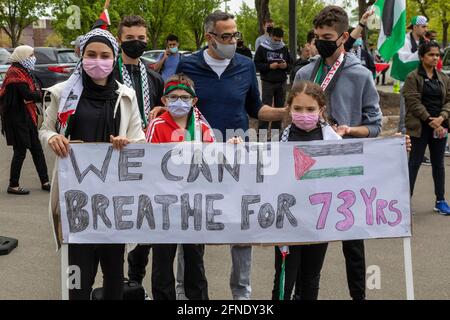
(112, 97)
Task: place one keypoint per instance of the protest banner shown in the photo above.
(224, 194)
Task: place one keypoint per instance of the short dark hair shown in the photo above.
(172, 37)
(131, 21)
(277, 32)
(332, 16)
(310, 36)
(426, 47)
(213, 18)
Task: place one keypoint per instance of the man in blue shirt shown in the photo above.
(227, 88)
(168, 61)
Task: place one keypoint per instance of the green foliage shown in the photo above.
(247, 21)
(16, 15)
(183, 18)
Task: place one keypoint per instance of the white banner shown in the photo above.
(251, 193)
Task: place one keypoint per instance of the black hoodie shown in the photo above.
(264, 57)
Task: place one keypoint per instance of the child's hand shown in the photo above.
(119, 142)
(342, 130)
(235, 140)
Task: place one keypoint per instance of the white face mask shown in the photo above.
(29, 63)
(225, 51)
(179, 108)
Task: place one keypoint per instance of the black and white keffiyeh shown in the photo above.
(145, 89)
(71, 94)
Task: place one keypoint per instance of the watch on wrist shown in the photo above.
(362, 25)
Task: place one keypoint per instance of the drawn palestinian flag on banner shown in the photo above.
(304, 160)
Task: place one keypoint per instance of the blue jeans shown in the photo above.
(241, 271)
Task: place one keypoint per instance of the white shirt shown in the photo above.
(218, 66)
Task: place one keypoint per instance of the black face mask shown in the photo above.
(269, 30)
(134, 48)
(327, 48)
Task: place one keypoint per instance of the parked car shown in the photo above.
(4, 64)
(54, 65)
(151, 57)
(446, 62)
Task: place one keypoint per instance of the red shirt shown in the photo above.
(165, 130)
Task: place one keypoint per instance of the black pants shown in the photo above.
(302, 269)
(437, 154)
(137, 263)
(273, 94)
(87, 258)
(163, 279)
(19, 158)
(355, 265)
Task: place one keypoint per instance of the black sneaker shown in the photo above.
(18, 191)
(426, 161)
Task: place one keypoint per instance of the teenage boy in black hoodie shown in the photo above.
(273, 61)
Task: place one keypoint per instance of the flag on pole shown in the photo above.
(103, 21)
(393, 26)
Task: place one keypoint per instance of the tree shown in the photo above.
(363, 5)
(437, 12)
(306, 11)
(247, 21)
(89, 12)
(262, 8)
(195, 13)
(16, 15)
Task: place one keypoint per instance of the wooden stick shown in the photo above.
(107, 4)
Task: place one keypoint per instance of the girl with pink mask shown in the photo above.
(303, 263)
(91, 106)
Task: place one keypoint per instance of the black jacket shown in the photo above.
(264, 57)
(156, 84)
(17, 122)
(245, 52)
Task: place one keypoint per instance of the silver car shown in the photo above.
(4, 63)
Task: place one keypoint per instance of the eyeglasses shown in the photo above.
(174, 98)
(228, 36)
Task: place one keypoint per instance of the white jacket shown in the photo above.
(130, 127)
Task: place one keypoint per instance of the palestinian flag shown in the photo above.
(404, 64)
(103, 21)
(393, 26)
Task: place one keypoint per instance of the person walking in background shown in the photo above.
(427, 96)
(19, 120)
(273, 61)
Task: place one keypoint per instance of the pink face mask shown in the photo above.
(305, 121)
(98, 69)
